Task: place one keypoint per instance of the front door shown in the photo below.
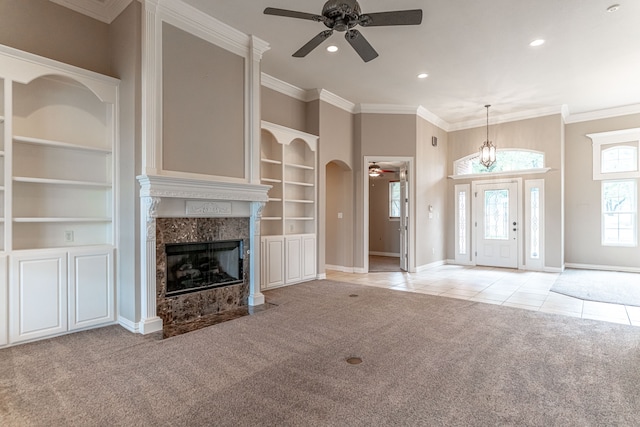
(496, 224)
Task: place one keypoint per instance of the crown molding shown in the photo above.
(102, 10)
(198, 23)
(386, 109)
(433, 119)
(283, 87)
(510, 117)
(333, 99)
(603, 114)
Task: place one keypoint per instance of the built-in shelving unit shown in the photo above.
(58, 208)
(289, 219)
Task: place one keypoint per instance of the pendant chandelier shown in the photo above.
(487, 149)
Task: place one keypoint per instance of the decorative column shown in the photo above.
(255, 296)
(149, 321)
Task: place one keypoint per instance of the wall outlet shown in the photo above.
(68, 236)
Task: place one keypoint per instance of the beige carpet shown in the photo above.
(425, 361)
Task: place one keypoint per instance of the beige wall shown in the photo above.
(335, 128)
(379, 135)
(47, 29)
(125, 46)
(203, 106)
(583, 207)
(336, 242)
(283, 110)
(431, 189)
(542, 134)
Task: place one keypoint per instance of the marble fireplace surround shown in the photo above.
(164, 197)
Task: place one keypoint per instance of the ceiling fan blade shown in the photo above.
(361, 45)
(312, 44)
(399, 17)
(293, 14)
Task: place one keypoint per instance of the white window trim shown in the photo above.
(459, 257)
(635, 222)
(602, 139)
(532, 263)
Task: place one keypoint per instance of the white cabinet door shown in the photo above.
(308, 257)
(91, 293)
(273, 256)
(293, 258)
(38, 295)
(4, 313)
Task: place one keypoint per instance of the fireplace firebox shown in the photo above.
(194, 267)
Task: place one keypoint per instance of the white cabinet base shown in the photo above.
(91, 290)
(52, 292)
(38, 296)
(288, 260)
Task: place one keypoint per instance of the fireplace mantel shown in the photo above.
(191, 188)
(170, 196)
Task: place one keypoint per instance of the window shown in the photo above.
(619, 213)
(506, 161)
(615, 163)
(463, 223)
(616, 154)
(394, 199)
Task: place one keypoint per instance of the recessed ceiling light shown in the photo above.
(423, 75)
(613, 8)
(332, 48)
(538, 42)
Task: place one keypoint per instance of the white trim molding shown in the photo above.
(102, 10)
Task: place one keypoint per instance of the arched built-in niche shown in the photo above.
(339, 214)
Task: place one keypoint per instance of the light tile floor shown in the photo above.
(512, 288)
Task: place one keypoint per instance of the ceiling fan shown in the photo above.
(343, 16)
(375, 170)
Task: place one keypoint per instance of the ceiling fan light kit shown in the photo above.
(343, 16)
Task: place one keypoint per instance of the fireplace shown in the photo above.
(193, 267)
(180, 214)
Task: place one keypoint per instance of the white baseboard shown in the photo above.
(389, 254)
(359, 270)
(339, 268)
(430, 266)
(553, 269)
(321, 276)
(128, 325)
(603, 267)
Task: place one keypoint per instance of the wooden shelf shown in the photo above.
(302, 184)
(274, 199)
(277, 181)
(272, 218)
(300, 218)
(300, 201)
(58, 219)
(64, 182)
(305, 167)
(270, 161)
(59, 144)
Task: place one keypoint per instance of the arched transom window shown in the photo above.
(507, 160)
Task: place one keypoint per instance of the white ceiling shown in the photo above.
(476, 52)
